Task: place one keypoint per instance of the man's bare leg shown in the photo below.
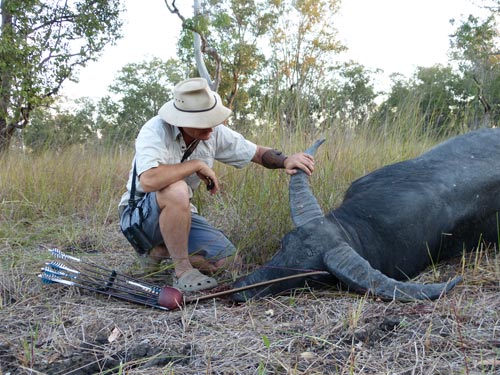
(175, 224)
(160, 253)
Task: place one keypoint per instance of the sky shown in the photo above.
(392, 35)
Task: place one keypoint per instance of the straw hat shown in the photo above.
(194, 106)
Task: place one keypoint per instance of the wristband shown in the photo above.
(273, 159)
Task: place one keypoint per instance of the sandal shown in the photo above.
(193, 280)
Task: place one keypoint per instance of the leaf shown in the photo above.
(114, 335)
(266, 341)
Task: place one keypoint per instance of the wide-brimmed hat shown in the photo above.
(194, 106)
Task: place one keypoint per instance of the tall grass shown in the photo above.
(51, 194)
(253, 207)
(56, 196)
(51, 184)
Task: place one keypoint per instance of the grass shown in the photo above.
(46, 197)
(68, 199)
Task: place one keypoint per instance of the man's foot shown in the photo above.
(193, 280)
(202, 264)
(230, 264)
(152, 260)
(159, 253)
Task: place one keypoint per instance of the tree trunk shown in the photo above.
(6, 131)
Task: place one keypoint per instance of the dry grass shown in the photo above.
(58, 330)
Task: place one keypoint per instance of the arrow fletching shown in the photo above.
(51, 272)
(61, 267)
(48, 279)
(56, 253)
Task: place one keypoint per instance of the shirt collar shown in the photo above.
(176, 132)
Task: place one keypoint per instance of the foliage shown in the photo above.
(351, 95)
(437, 92)
(280, 71)
(59, 128)
(474, 46)
(236, 29)
(140, 90)
(42, 44)
(280, 48)
(303, 44)
(451, 100)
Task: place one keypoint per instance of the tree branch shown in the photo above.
(200, 46)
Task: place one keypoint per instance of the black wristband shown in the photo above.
(273, 159)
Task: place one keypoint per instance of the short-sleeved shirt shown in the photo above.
(161, 143)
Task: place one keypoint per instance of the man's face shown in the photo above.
(202, 134)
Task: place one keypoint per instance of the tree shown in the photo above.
(303, 41)
(441, 96)
(231, 32)
(303, 45)
(238, 28)
(274, 49)
(58, 127)
(474, 46)
(42, 44)
(197, 29)
(433, 97)
(139, 89)
(350, 94)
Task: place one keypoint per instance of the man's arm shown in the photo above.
(160, 177)
(273, 159)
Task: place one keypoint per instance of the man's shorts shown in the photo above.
(204, 239)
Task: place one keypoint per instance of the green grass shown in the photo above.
(62, 197)
(57, 195)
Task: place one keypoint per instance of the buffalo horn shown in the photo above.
(347, 265)
(303, 205)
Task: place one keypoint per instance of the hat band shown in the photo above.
(197, 110)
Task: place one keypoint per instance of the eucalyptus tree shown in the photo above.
(232, 34)
(42, 44)
(433, 99)
(303, 45)
(139, 90)
(349, 96)
(475, 46)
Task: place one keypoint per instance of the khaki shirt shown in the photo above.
(161, 143)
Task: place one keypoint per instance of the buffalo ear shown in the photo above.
(354, 271)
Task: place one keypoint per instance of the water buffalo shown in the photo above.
(393, 222)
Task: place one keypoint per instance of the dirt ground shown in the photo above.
(56, 329)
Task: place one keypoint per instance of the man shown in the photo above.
(174, 152)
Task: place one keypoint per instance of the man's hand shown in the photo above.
(300, 161)
(273, 159)
(207, 175)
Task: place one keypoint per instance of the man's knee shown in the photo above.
(174, 195)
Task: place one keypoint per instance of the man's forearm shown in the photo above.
(157, 178)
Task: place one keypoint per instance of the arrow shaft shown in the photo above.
(256, 285)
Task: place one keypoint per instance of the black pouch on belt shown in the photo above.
(133, 232)
(137, 238)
